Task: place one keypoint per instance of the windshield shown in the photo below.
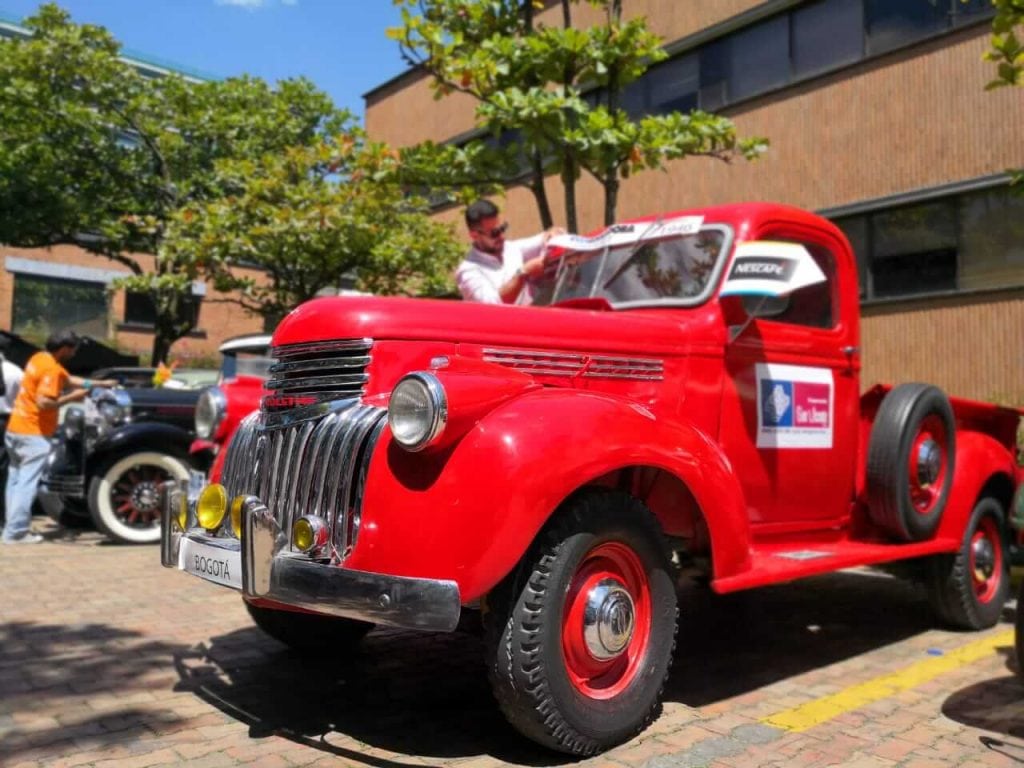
(244, 363)
(675, 270)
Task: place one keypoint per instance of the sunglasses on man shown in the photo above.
(496, 232)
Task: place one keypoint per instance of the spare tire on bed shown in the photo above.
(911, 456)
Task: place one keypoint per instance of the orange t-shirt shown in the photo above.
(43, 376)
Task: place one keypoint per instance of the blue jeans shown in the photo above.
(27, 456)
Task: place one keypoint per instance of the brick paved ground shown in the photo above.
(107, 659)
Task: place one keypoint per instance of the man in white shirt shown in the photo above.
(495, 271)
(10, 383)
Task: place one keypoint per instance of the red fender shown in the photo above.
(469, 512)
(978, 458)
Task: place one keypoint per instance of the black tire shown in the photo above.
(132, 479)
(911, 459)
(1018, 632)
(968, 589)
(308, 632)
(539, 669)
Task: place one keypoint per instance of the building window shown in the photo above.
(894, 23)
(672, 86)
(139, 309)
(826, 35)
(964, 242)
(759, 59)
(991, 239)
(43, 305)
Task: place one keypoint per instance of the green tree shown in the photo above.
(310, 216)
(1007, 52)
(558, 89)
(95, 154)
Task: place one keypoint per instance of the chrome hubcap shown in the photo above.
(929, 462)
(984, 559)
(608, 619)
(145, 497)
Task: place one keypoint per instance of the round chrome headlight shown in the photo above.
(418, 411)
(210, 410)
(74, 422)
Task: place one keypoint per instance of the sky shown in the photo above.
(338, 44)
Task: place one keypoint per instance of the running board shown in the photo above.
(774, 563)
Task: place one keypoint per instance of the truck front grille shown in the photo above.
(315, 466)
(316, 372)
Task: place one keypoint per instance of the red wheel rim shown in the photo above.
(928, 464)
(986, 560)
(611, 563)
(135, 497)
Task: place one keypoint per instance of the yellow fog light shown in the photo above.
(236, 515)
(211, 507)
(182, 511)
(309, 533)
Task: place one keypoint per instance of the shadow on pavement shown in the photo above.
(428, 695)
(45, 662)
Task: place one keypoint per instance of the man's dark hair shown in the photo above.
(478, 211)
(60, 339)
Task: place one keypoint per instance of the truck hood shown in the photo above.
(652, 331)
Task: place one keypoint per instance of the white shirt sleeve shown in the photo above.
(475, 285)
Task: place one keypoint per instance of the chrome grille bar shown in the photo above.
(316, 372)
(311, 466)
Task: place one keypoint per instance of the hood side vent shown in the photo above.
(573, 364)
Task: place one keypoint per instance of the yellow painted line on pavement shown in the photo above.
(820, 710)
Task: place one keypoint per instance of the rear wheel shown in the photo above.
(309, 632)
(124, 496)
(968, 589)
(580, 638)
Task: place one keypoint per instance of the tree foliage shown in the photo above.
(311, 216)
(96, 154)
(1007, 52)
(557, 90)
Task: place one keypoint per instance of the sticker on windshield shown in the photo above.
(627, 234)
(794, 406)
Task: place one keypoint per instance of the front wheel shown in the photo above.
(580, 638)
(968, 589)
(124, 496)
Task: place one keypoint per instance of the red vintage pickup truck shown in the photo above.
(683, 400)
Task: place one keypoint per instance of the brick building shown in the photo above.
(878, 119)
(42, 289)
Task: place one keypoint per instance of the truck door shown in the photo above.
(790, 400)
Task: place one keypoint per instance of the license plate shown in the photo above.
(221, 566)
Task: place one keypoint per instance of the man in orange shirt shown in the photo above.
(33, 421)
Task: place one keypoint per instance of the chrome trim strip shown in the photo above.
(312, 347)
(571, 364)
(321, 363)
(350, 380)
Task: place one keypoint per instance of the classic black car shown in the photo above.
(112, 452)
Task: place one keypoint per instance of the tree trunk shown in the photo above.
(540, 193)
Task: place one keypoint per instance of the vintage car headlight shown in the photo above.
(114, 406)
(418, 411)
(74, 422)
(210, 410)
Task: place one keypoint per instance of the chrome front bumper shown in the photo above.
(269, 572)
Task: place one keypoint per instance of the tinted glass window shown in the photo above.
(139, 309)
(759, 58)
(991, 239)
(892, 23)
(827, 34)
(914, 249)
(714, 74)
(673, 85)
(965, 11)
(43, 305)
(813, 305)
